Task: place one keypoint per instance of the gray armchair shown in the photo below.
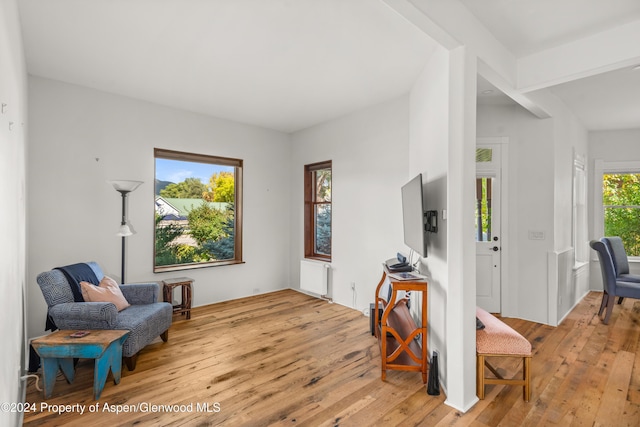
(145, 318)
(613, 286)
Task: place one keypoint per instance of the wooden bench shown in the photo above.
(498, 339)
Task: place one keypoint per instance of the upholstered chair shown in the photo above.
(613, 286)
(145, 318)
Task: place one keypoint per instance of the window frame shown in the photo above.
(310, 204)
(601, 168)
(237, 164)
(579, 220)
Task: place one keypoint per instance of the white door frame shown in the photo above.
(506, 288)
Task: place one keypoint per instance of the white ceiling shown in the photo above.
(280, 64)
(290, 64)
(530, 26)
(605, 100)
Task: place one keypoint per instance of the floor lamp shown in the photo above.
(124, 188)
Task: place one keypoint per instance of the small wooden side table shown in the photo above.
(167, 292)
(58, 350)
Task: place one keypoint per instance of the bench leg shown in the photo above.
(526, 376)
(480, 376)
(481, 380)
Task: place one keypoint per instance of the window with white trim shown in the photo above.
(621, 207)
(579, 217)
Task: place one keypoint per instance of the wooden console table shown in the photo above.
(167, 292)
(58, 350)
(396, 331)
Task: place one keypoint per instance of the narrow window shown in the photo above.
(198, 210)
(579, 216)
(317, 211)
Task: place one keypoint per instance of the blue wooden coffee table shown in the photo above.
(58, 350)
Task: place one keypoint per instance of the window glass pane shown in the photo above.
(484, 155)
(621, 200)
(322, 219)
(624, 222)
(483, 209)
(317, 210)
(323, 185)
(195, 212)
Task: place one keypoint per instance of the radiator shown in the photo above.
(564, 285)
(314, 277)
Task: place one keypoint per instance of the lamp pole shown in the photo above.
(123, 223)
(124, 188)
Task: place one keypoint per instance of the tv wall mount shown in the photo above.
(431, 221)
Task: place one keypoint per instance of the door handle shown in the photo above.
(494, 249)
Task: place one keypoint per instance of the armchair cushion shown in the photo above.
(107, 291)
(84, 315)
(141, 293)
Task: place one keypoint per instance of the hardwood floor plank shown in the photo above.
(615, 392)
(287, 359)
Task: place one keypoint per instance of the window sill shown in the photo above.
(178, 267)
(318, 258)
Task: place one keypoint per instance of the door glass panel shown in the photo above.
(483, 209)
(484, 155)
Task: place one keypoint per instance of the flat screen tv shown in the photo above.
(413, 216)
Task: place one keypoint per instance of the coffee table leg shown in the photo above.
(116, 360)
(110, 359)
(50, 367)
(49, 372)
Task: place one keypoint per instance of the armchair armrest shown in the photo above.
(84, 315)
(140, 293)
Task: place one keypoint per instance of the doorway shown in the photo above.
(488, 225)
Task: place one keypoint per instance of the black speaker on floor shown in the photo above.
(433, 385)
(372, 314)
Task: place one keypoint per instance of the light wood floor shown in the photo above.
(291, 360)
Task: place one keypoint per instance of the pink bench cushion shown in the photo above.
(499, 338)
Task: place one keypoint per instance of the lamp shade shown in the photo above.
(124, 185)
(124, 231)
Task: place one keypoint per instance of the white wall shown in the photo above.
(442, 141)
(539, 199)
(429, 155)
(80, 138)
(611, 146)
(13, 95)
(369, 154)
(529, 204)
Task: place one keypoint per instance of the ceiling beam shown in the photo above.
(452, 25)
(606, 51)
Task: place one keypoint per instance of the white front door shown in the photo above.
(487, 230)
